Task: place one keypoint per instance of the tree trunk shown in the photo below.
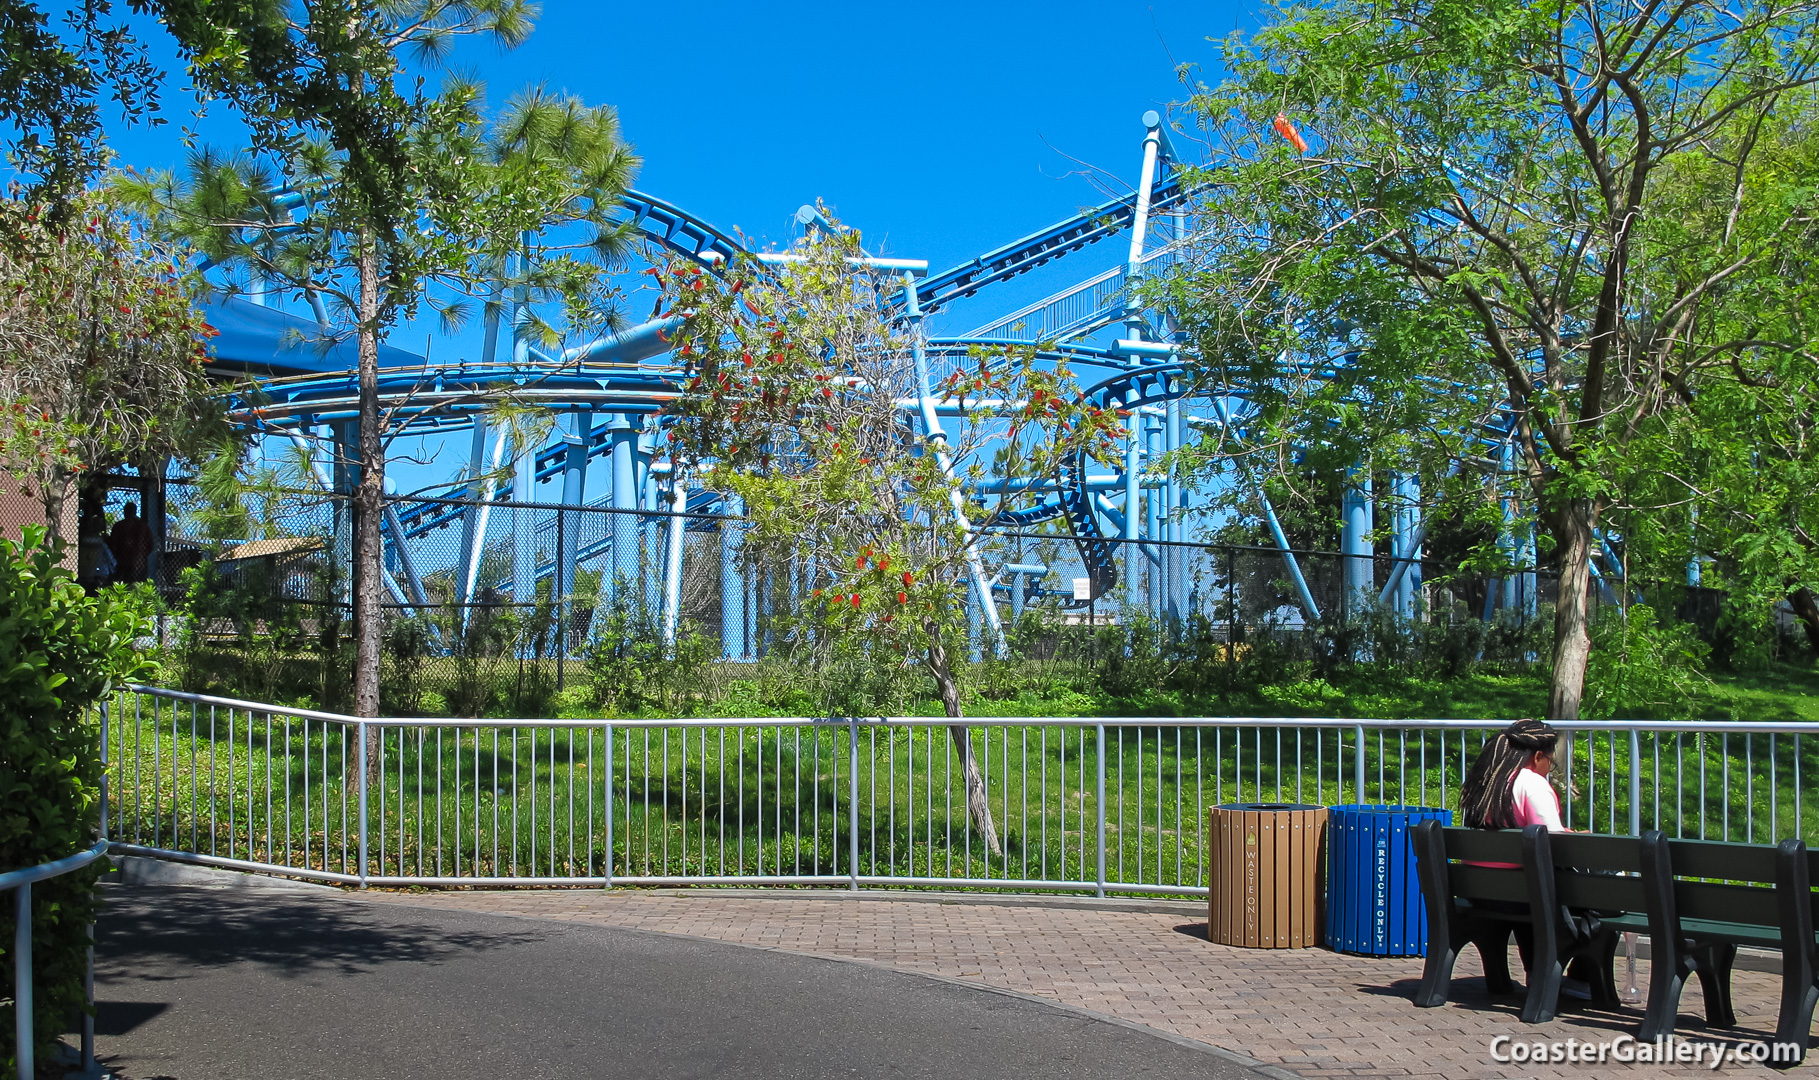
(369, 509)
(1806, 609)
(977, 806)
(1572, 526)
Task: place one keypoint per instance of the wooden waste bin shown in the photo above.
(1263, 874)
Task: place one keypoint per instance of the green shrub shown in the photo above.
(1643, 669)
(60, 652)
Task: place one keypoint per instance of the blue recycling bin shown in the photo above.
(1373, 903)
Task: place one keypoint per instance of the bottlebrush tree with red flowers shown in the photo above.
(102, 347)
(803, 400)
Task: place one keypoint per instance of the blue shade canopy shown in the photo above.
(266, 341)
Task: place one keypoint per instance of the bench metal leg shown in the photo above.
(1602, 973)
(1436, 973)
(1713, 965)
(1799, 994)
(1669, 965)
(1494, 950)
(1799, 979)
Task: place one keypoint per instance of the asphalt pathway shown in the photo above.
(197, 983)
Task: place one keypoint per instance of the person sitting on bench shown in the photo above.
(1508, 788)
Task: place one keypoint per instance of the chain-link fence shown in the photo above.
(494, 608)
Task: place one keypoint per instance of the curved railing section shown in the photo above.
(1089, 805)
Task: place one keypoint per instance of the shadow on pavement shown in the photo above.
(287, 936)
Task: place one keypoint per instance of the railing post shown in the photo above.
(609, 806)
(362, 810)
(1358, 765)
(88, 995)
(103, 835)
(1635, 782)
(1099, 801)
(852, 819)
(1565, 761)
(22, 981)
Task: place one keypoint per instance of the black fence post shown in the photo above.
(1231, 608)
(560, 595)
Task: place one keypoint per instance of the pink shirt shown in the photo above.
(1535, 801)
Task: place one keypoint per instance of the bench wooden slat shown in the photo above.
(1596, 852)
(1483, 845)
(1604, 892)
(1487, 883)
(1727, 861)
(1740, 904)
(1767, 937)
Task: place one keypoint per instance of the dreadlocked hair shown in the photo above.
(1488, 796)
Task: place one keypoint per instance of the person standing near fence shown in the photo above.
(131, 542)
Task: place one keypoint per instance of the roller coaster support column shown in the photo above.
(931, 423)
(345, 439)
(470, 517)
(1152, 437)
(1355, 541)
(1154, 142)
(1692, 560)
(574, 493)
(1405, 546)
(1310, 611)
(1173, 526)
(524, 527)
(650, 542)
(623, 567)
(672, 572)
(1133, 512)
(472, 554)
(732, 582)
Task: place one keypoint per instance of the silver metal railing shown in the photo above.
(1110, 805)
(19, 883)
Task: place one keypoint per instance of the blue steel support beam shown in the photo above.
(1355, 539)
(471, 538)
(672, 569)
(1402, 591)
(623, 566)
(524, 526)
(937, 438)
(732, 584)
(574, 493)
(1309, 609)
(1177, 529)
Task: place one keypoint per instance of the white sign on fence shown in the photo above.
(1083, 588)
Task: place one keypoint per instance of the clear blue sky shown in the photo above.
(941, 129)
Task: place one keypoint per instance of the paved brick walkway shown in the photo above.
(1317, 1013)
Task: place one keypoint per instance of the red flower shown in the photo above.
(903, 598)
(908, 578)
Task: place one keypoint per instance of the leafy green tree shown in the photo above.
(51, 84)
(411, 191)
(1492, 241)
(793, 404)
(101, 353)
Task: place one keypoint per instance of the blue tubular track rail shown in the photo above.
(1022, 256)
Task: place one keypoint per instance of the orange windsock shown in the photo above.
(1288, 132)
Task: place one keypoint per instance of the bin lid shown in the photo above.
(1265, 807)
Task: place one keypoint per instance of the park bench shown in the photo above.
(1697, 900)
(1704, 899)
(1544, 901)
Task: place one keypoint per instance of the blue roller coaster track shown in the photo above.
(607, 396)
